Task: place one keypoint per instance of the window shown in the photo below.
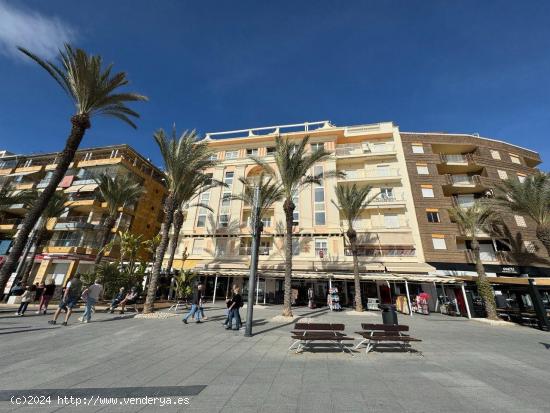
(213, 157)
(252, 152)
(221, 246)
(515, 159)
(321, 247)
(502, 174)
(231, 154)
(422, 169)
(319, 198)
(530, 246)
(495, 154)
(317, 147)
(228, 178)
(226, 199)
(520, 221)
(383, 170)
(521, 178)
(201, 218)
(433, 216)
(465, 201)
(198, 247)
(266, 221)
(295, 246)
(427, 191)
(320, 218)
(296, 213)
(391, 220)
(417, 148)
(386, 193)
(270, 150)
(380, 147)
(224, 220)
(319, 194)
(318, 171)
(439, 242)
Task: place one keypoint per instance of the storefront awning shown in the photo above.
(540, 281)
(409, 267)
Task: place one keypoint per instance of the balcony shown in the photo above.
(456, 159)
(10, 225)
(72, 222)
(383, 251)
(498, 257)
(397, 201)
(248, 250)
(365, 149)
(371, 175)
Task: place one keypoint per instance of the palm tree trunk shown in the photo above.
(80, 123)
(39, 236)
(178, 222)
(483, 286)
(289, 211)
(543, 234)
(169, 207)
(352, 236)
(109, 223)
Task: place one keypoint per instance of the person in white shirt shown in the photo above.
(91, 295)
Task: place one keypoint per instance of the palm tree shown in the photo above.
(530, 197)
(93, 90)
(130, 245)
(56, 206)
(351, 201)
(480, 217)
(182, 157)
(10, 197)
(292, 167)
(117, 191)
(193, 184)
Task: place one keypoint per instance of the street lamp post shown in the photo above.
(256, 232)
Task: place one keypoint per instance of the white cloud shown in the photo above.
(40, 34)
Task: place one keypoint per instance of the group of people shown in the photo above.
(234, 303)
(122, 299)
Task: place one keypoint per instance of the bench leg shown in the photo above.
(293, 344)
(370, 346)
(344, 348)
(362, 341)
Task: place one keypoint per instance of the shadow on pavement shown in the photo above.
(316, 313)
(27, 330)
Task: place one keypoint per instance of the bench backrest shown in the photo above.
(384, 327)
(319, 326)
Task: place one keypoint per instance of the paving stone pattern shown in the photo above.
(464, 366)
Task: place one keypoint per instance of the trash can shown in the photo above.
(389, 315)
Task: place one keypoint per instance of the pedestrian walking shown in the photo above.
(70, 298)
(39, 290)
(236, 303)
(26, 298)
(90, 295)
(47, 294)
(195, 306)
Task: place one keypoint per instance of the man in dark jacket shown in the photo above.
(195, 305)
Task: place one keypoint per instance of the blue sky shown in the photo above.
(466, 66)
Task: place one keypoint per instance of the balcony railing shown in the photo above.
(502, 257)
(385, 199)
(371, 173)
(248, 250)
(351, 149)
(84, 197)
(463, 180)
(383, 251)
(74, 219)
(456, 158)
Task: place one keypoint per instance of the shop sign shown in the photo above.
(509, 270)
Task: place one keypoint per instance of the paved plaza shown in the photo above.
(461, 365)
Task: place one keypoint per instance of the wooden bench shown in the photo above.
(305, 333)
(373, 334)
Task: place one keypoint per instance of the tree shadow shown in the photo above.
(546, 345)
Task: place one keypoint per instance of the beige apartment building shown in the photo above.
(218, 243)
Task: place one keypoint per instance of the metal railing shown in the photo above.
(502, 257)
(81, 219)
(371, 173)
(350, 149)
(456, 158)
(388, 199)
(248, 250)
(461, 180)
(382, 252)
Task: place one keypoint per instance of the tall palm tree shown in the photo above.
(270, 191)
(292, 164)
(94, 91)
(480, 217)
(182, 156)
(117, 192)
(351, 201)
(193, 184)
(530, 197)
(56, 206)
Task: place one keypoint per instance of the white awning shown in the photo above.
(409, 267)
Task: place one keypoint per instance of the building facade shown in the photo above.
(401, 233)
(72, 240)
(448, 170)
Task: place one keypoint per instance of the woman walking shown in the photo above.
(26, 298)
(47, 294)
